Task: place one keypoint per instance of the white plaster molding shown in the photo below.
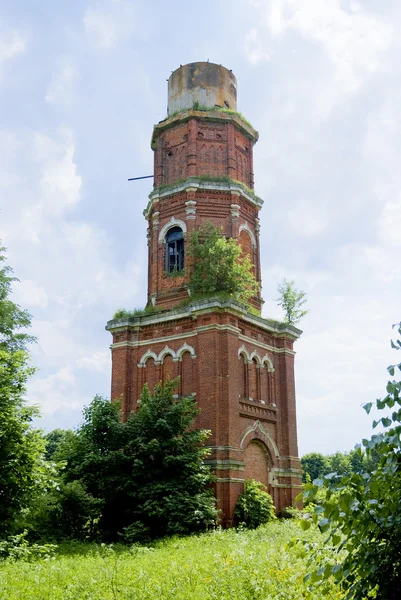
(257, 426)
(148, 354)
(193, 184)
(186, 348)
(163, 353)
(190, 209)
(245, 227)
(255, 355)
(267, 360)
(172, 223)
(235, 208)
(243, 352)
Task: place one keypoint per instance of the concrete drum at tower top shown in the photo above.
(204, 83)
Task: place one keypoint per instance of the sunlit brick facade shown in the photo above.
(237, 365)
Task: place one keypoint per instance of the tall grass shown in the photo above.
(224, 565)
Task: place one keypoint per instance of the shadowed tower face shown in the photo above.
(238, 366)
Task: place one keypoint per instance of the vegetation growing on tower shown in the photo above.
(219, 265)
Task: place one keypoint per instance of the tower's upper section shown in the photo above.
(204, 84)
(203, 135)
(203, 172)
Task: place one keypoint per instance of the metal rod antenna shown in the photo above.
(144, 177)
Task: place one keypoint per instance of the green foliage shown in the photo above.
(140, 479)
(67, 511)
(123, 313)
(228, 111)
(361, 513)
(254, 506)
(291, 301)
(316, 466)
(17, 547)
(22, 466)
(218, 265)
(222, 565)
(54, 439)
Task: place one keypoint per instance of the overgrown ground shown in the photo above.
(225, 565)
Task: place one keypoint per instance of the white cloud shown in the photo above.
(253, 47)
(390, 223)
(28, 293)
(12, 43)
(59, 181)
(355, 41)
(74, 284)
(60, 89)
(55, 391)
(107, 23)
(99, 361)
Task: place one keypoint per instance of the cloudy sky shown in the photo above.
(81, 85)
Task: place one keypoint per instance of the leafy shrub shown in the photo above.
(361, 513)
(219, 265)
(254, 506)
(17, 547)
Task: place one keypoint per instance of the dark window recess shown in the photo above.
(174, 250)
(226, 105)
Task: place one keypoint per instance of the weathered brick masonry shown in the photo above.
(238, 366)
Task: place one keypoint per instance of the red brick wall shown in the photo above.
(241, 373)
(203, 147)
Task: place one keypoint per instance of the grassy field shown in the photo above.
(224, 565)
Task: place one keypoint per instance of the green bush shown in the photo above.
(360, 513)
(254, 506)
(219, 265)
(17, 547)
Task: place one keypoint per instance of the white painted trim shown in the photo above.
(245, 227)
(172, 223)
(148, 354)
(267, 360)
(243, 351)
(257, 426)
(244, 338)
(255, 355)
(185, 348)
(163, 353)
(194, 184)
(195, 332)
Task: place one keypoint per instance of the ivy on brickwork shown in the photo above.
(219, 266)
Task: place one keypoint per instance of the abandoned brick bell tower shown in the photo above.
(238, 366)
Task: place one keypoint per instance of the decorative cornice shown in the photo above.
(208, 305)
(211, 115)
(197, 183)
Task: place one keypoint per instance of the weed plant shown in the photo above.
(224, 565)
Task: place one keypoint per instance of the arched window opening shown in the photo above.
(264, 384)
(174, 250)
(186, 374)
(150, 373)
(243, 377)
(254, 383)
(167, 369)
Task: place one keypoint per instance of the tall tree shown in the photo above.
(21, 447)
(291, 301)
(148, 474)
(360, 513)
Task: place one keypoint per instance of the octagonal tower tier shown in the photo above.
(238, 366)
(203, 171)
